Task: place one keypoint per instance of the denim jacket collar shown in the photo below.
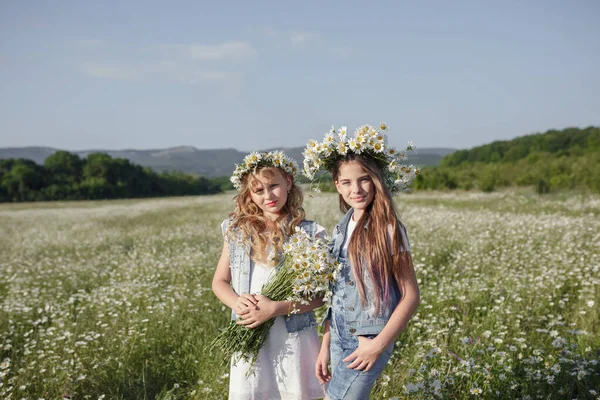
(339, 233)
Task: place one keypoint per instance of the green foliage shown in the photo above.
(488, 183)
(542, 187)
(223, 182)
(570, 141)
(555, 160)
(21, 179)
(65, 168)
(65, 176)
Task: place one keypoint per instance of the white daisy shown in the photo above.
(252, 158)
(378, 147)
(329, 139)
(362, 138)
(342, 148)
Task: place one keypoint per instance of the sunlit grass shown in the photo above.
(113, 298)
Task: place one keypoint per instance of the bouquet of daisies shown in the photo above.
(304, 274)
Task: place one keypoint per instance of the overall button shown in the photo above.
(351, 308)
(351, 283)
(352, 330)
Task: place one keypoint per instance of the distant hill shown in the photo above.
(188, 159)
(566, 142)
(553, 160)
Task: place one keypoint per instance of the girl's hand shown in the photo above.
(321, 366)
(245, 303)
(263, 311)
(364, 357)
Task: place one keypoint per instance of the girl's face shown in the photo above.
(355, 186)
(269, 191)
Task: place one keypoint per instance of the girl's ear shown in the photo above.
(289, 182)
(337, 186)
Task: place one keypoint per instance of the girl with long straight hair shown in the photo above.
(376, 292)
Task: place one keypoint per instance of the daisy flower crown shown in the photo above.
(367, 140)
(256, 160)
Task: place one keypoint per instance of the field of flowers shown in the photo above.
(112, 300)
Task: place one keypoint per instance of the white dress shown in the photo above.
(285, 366)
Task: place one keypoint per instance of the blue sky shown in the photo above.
(252, 75)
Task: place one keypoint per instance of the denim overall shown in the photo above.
(349, 319)
(240, 265)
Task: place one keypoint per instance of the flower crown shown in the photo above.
(256, 160)
(368, 141)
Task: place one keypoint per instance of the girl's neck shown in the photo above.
(271, 223)
(357, 214)
(272, 216)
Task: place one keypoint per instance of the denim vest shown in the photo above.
(346, 299)
(240, 265)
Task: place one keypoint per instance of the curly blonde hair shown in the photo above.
(249, 220)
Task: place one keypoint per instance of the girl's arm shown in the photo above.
(221, 286)
(267, 309)
(370, 349)
(321, 365)
(286, 307)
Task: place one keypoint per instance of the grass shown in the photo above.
(113, 298)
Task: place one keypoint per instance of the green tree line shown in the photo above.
(554, 160)
(66, 176)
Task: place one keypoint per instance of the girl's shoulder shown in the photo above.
(343, 222)
(225, 225)
(403, 234)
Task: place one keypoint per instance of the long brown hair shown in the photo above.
(249, 219)
(385, 259)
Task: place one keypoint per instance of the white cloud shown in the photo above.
(293, 38)
(223, 51)
(211, 76)
(166, 70)
(188, 64)
(273, 33)
(190, 74)
(301, 38)
(90, 44)
(111, 71)
(342, 52)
